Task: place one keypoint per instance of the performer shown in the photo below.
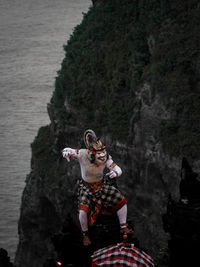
(95, 194)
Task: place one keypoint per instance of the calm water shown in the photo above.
(32, 34)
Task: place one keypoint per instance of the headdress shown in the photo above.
(92, 142)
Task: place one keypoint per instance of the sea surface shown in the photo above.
(32, 35)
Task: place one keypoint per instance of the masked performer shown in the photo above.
(95, 194)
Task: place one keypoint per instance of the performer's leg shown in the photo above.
(122, 215)
(113, 198)
(83, 218)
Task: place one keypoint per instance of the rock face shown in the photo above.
(131, 73)
(182, 220)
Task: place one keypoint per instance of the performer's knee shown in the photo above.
(82, 214)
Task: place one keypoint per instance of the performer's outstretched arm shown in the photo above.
(115, 170)
(70, 153)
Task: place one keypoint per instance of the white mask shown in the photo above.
(101, 156)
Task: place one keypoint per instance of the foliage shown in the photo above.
(104, 63)
(174, 76)
(108, 57)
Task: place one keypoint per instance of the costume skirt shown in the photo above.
(97, 197)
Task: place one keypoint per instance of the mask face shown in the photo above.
(101, 156)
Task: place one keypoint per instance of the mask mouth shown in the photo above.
(102, 158)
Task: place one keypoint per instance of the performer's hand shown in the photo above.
(112, 174)
(66, 152)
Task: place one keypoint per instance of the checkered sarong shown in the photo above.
(122, 254)
(107, 199)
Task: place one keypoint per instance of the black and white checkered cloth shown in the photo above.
(122, 254)
(108, 198)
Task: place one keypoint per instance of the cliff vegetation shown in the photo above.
(116, 49)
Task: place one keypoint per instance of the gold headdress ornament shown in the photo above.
(92, 142)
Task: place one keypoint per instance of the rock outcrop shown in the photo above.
(131, 73)
(105, 232)
(182, 220)
(5, 259)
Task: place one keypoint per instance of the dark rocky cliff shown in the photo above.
(182, 220)
(131, 73)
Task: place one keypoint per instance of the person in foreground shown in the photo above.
(95, 193)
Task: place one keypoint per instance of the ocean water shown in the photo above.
(32, 35)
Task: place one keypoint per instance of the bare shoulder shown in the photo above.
(83, 153)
